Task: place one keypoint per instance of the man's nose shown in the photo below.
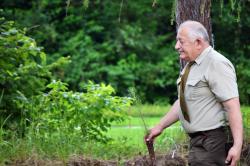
(177, 45)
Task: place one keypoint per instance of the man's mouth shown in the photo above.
(180, 52)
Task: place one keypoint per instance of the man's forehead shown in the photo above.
(181, 34)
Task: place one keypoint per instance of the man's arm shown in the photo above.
(232, 106)
(170, 118)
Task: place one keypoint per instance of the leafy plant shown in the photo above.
(24, 73)
(243, 75)
(86, 114)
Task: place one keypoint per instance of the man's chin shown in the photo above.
(183, 57)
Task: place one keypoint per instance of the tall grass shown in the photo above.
(246, 121)
(127, 139)
(133, 128)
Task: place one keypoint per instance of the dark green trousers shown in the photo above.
(210, 148)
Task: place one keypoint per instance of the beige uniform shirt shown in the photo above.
(211, 80)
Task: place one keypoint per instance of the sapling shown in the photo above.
(149, 143)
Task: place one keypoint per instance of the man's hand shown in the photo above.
(154, 132)
(233, 156)
(170, 118)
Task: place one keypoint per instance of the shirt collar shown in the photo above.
(199, 59)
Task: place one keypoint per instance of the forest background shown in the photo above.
(97, 48)
(129, 44)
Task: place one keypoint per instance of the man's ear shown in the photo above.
(198, 43)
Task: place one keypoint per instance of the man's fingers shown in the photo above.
(154, 132)
(228, 160)
(233, 163)
(149, 137)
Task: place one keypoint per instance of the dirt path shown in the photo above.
(161, 160)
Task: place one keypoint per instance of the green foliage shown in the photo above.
(228, 26)
(59, 113)
(243, 74)
(246, 122)
(131, 53)
(231, 39)
(87, 115)
(127, 140)
(136, 51)
(23, 72)
(87, 62)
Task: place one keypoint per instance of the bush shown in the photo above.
(243, 76)
(84, 114)
(23, 73)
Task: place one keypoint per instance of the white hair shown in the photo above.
(195, 30)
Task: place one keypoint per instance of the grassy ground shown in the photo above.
(142, 118)
(134, 131)
(128, 135)
(127, 139)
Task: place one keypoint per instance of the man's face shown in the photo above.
(185, 46)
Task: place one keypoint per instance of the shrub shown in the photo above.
(24, 73)
(85, 114)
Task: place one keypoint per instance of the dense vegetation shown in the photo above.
(34, 104)
(136, 51)
(61, 63)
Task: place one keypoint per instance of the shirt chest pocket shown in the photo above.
(196, 89)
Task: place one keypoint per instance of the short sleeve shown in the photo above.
(222, 80)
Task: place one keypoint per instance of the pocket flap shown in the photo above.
(192, 82)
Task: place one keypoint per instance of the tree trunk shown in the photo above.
(197, 10)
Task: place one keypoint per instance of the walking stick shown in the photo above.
(150, 146)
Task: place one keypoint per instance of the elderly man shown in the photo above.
(208, 105)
